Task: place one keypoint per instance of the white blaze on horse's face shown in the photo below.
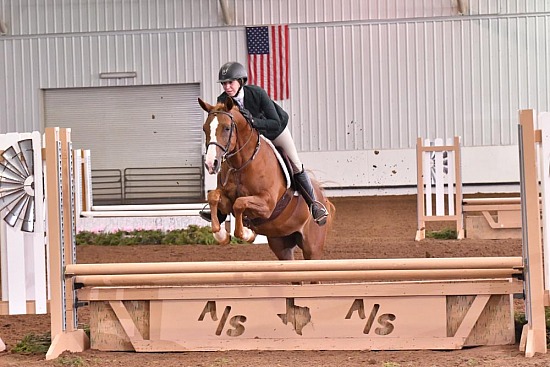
(211, 159)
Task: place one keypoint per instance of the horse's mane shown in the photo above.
(235, 111)
(220, 106)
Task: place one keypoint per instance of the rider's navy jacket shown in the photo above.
(269, 118)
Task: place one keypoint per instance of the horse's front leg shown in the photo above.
(218, 231)
(257, 207)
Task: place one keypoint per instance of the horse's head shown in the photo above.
(220, 132)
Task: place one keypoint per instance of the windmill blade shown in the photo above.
(13, 214)
(25, 146)
(10, 198)
(6, 173)
(29, 218)
(12, 159)
(10, 186)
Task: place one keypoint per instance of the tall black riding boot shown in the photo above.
(206, 214)
(318, 210)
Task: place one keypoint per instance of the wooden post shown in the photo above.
(533, 338)
(54, 231)
(544, 126)
(65, 335)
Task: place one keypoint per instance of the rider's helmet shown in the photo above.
(233, 71)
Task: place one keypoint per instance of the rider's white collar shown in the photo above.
(240, 98)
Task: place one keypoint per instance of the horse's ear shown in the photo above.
(229, 103)
(205, 106)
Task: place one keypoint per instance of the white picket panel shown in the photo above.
(439, 183)
(438, 177)
(427, 174)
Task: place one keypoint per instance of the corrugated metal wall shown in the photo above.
(25, 17)
(364, 74)
(29, 64)
(380, 85)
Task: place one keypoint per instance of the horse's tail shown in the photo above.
(328, 204)
(331, 212)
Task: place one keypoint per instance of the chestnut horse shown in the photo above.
(252, 186)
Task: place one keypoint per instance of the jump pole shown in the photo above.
(297, 265)
(176, 279)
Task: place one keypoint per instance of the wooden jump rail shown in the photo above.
(297, 265)
(261, 272)
(258, 272)
(492, 201)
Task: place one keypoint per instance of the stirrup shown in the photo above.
(319, 213)
(206, 214)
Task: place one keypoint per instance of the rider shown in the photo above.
(271, 121)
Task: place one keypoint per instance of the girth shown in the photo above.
(281, 205)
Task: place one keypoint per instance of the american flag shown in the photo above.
(268, 59)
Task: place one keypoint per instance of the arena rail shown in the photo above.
(361, 304)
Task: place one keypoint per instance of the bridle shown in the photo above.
(225, 149)
(228, 145)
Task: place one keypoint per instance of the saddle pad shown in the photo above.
(279, 159)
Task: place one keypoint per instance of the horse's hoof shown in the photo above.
(222, 237)
(226, 241)
(248, 235)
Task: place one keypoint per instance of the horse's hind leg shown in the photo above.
(312, 242)
(282, 247)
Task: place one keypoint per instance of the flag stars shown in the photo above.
(257, 40)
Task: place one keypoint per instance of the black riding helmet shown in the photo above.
(233, 71)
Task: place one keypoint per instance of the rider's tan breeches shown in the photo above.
(286, 143)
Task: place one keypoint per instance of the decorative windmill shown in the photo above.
(17, 185)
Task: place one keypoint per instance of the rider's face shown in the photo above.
(231, 88)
